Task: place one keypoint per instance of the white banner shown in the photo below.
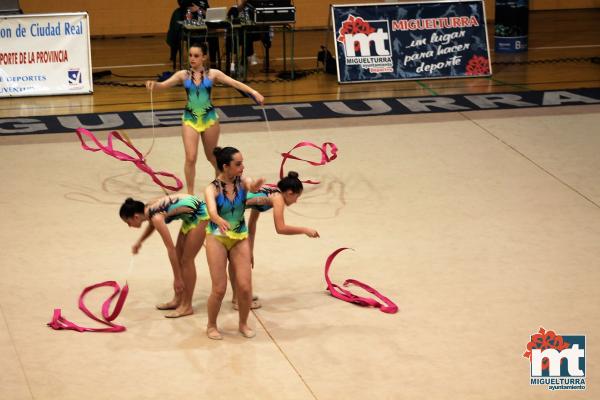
(45, 54)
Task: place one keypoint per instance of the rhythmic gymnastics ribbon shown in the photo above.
(59, 322)
(139, 160)
(345, 295)
(325, 157)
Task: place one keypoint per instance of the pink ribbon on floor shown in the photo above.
(59, 322)
(139, 160)
(325, 158)
(345, 295)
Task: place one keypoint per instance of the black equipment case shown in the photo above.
(270, 12)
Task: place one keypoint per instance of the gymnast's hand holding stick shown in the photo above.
(158, 213)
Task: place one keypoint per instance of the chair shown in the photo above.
(246, 35)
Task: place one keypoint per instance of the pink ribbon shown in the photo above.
(59, 322)
(325, 158)
(345, 295)
(138, 160)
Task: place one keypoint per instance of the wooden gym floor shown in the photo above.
(557, 40)
(482, 226)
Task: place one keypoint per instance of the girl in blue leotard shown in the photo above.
(226, 238)
(200, 119)
(158, 213)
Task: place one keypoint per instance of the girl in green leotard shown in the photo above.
(158, 213)
(226, 239)
(200, 119)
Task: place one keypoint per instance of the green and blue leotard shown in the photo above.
(190, 210)
(231, 211)
(199, 112)
(259, 200)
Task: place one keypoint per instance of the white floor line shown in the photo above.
(297, 58)
(590, 46)
(158, 65)
(313, 58)
(565, 47)
(131, 66)
(18, 356)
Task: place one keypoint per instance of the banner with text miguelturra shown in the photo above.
(45, 54)
(401, 41)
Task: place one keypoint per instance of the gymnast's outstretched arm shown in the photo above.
(280, 225)
(147, 232)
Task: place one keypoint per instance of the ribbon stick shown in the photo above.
(139, 160)
(59, 322)
(345, 295)
(325, 157)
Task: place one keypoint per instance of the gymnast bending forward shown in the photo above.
(158, 213)
(288, 191)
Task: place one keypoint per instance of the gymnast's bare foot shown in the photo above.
(246, 331)
(213, 333)
(180, 312)
(170, 305)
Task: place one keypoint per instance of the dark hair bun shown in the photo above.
(131, 207)
(291, 182)
(216, 151)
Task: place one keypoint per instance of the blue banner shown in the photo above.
(385, 42)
